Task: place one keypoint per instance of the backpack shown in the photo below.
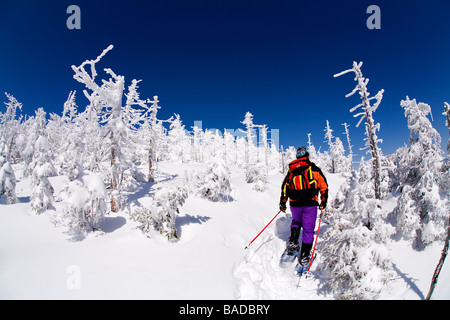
(301, 184)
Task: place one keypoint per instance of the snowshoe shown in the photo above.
(289, 254)
(302, 266)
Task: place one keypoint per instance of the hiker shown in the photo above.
(302, 185)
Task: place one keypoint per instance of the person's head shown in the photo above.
(302, 152)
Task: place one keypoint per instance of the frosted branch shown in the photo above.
(343, 72)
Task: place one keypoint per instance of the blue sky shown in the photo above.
(214, 60)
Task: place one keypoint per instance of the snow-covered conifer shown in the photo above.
(42, 191)
(229, 145)
(255, 170)
(34, 127)
(85, 204)
(421, 213)
(7, 176)
(248, 122)
(178, 142)
(329, 139)
(339, 162)
(10, 125)
(320, 159)
(214, 184)
(156, 136)
(354, 251)
(163, 211)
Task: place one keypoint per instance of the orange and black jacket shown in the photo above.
(320, 186)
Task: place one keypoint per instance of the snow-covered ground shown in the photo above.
(38, 261)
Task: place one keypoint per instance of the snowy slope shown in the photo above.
(37, 261)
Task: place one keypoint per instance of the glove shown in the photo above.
(283, 207)
(323, 205)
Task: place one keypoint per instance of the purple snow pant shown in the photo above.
(305, 217)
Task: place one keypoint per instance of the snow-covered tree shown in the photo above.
(445, 181)
(350, 149)
(213, 184)
(421, 213)
(70, 152)
(446, 114)
(354, 252)
(178, 142)
(263, 155)
(162, 213)
(320, 159)
(33, 128)
(85, 204)
(329, 139)
(229, 146)
(9, 126)
(248, 122)
(117, 122)
(7, 176)
(371, 127)
(255, 169)
(156, 135)
(339, 162)
(42, 191)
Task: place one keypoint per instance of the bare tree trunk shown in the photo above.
(150, 167)
(440, 263)
(114, 207)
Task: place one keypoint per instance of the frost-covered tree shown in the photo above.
(68, 138)
(320, 159)
(445, 181)
(229, 146)
(7, 176)
(107, 101)
(447, 122)
(350, 147)
(263, 154)
(421, 213)
(163, 211)
(311, 149)
(10, 125)
(255, 170)
(248, 122)
(355, 256)
(339, 162)
(85, 204)
(371, 127)
(178, 142)
(213, 184)
(42, 191)
(156, 135)
(33, 128)
(117, 122)
(329, 139)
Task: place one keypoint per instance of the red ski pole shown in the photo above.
(262, 230)
(315, 242)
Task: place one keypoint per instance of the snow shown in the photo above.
(40, 261)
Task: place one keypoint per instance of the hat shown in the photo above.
(301, 152)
